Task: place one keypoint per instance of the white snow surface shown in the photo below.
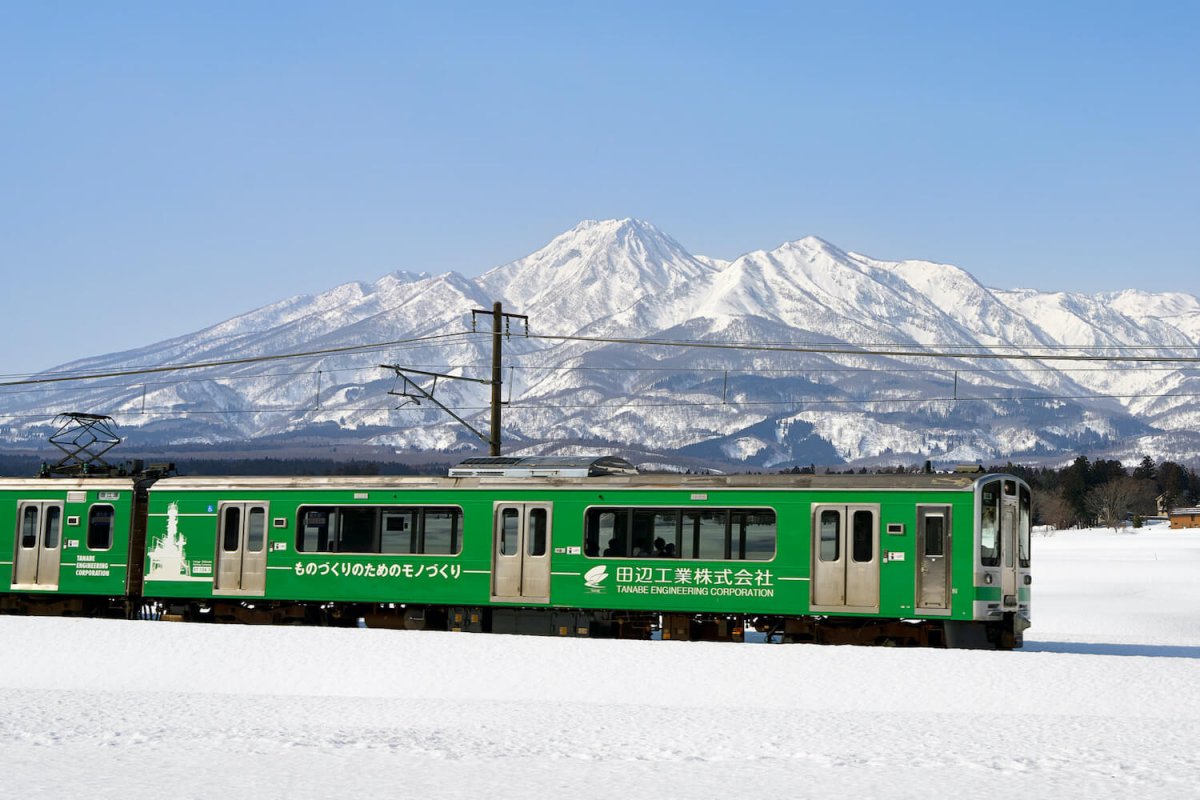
(1102, 702)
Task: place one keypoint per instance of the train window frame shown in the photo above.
(91, 526)
(331, 529)
(633, 532)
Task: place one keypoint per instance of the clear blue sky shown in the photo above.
(164, 166)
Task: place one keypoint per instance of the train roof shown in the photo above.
(914, 481)
(542, 467)
(80, 482)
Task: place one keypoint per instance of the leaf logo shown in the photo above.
(595, 576)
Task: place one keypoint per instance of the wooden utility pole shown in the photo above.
(415, 393)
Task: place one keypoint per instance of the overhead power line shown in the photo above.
(852, 350)
(123, 373)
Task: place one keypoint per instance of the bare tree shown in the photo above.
(1054, 509)
(1110, 502)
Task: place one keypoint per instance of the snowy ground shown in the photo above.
(1104, 701)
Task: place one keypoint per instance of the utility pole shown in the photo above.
(415, 393)
(498, 317)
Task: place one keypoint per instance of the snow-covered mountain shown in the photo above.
(772, 374)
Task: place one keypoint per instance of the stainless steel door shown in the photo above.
(933, 559)
(1008, 536)
(845, 557)
(521, 552)
(38, 551)
(241, 549)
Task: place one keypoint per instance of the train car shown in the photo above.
(70, 545)
(894, 559)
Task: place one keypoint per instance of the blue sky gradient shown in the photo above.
(165, 166)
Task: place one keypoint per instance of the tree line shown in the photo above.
(1105, 492)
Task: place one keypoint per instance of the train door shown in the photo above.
(1008, 545)
(845, 558)
(933, 559)
(241, 549)
(521, 552)
(38, 546)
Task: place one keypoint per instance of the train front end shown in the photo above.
(1002, 576)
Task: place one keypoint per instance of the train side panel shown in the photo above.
(65, 537)
(900, 537)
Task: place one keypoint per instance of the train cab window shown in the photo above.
(100, 528)
(830, 530)
(29, 528)
(231, 535)
(863, 537)
(989, 524)
(537, 532)
(1025, 525)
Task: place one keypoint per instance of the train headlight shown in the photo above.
(987, 578)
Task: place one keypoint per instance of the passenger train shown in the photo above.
(554, 546)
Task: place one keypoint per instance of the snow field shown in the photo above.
(1101, 703)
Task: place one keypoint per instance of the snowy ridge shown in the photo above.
(627, 279)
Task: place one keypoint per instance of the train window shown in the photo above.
(935, 535)
(370, 530)
(399, 534)
(357, 526)
(704, 535)
(29, 528)
(668, 531)
(863, 537)
(53, 523)
(256, 529)
(537, 532)
(601, 529)
(441, 531)
(231, 536)
(753, 534)
(510, 534)
(831, 540)
(711, 534)
(989, 524)
(1025, 524)
(313, 532)
(100, 528)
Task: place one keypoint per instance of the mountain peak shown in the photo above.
(606, 265)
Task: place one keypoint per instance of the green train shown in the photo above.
(555, 546)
